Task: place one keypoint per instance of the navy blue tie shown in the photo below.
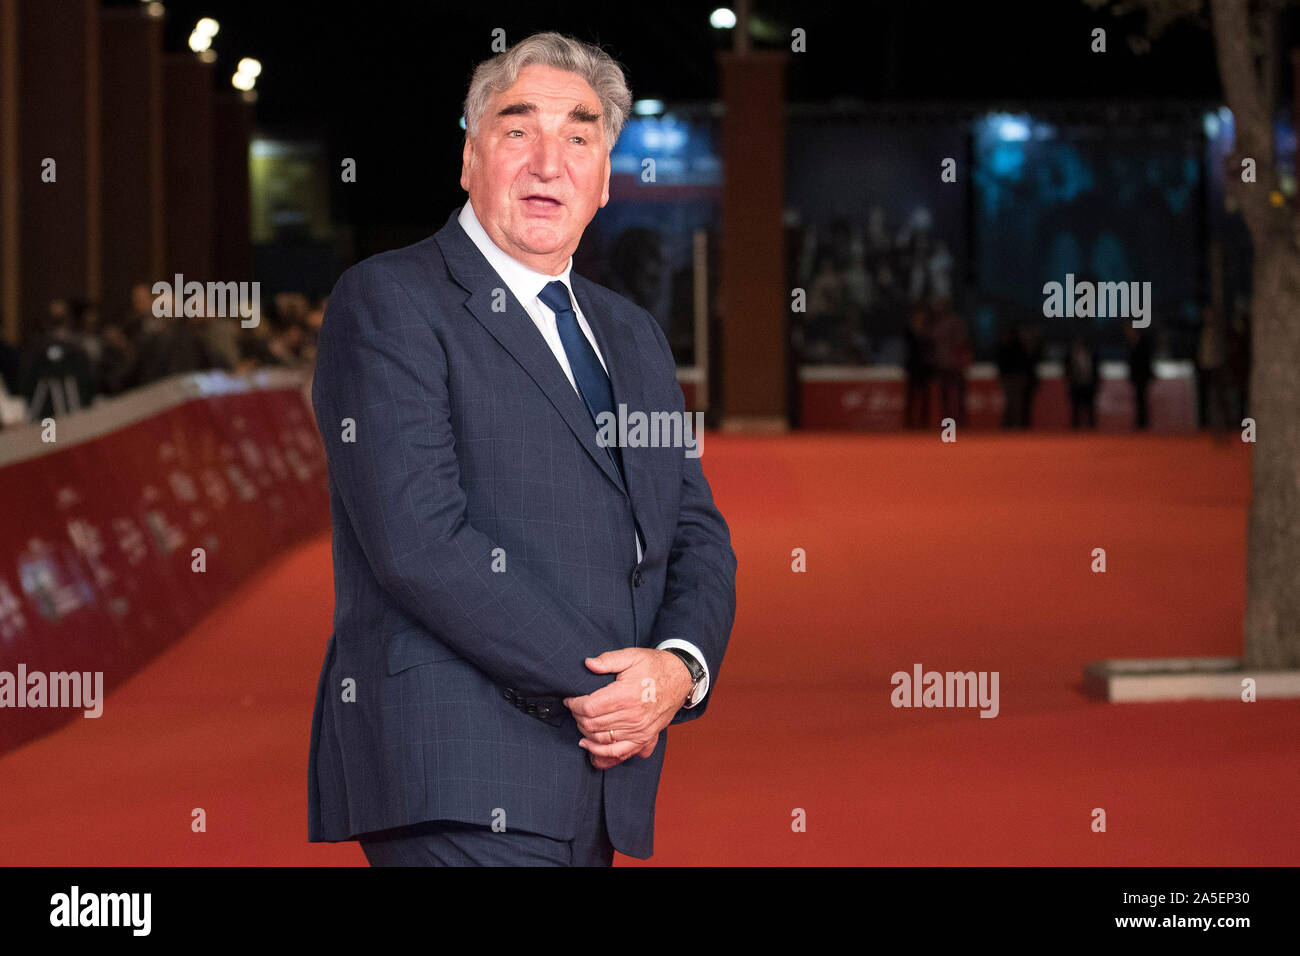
(593, 383)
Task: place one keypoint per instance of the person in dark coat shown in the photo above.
(920, 367)
(9, 365)
(1139, 373)
(56, 377)
(1081, 376)
(1013, 370)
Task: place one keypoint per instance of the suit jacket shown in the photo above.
(455, 443)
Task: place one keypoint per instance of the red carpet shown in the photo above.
(970, 556)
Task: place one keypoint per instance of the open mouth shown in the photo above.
(542, 202)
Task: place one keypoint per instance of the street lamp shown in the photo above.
(201, 39)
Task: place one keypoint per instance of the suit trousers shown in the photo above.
(452, 843)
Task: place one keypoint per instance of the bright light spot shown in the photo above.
(462, 122)
(1211, 124)
(250, 66)
(663, 136)
(199, 42)
(207, 27)
(242, 81)
(648, 107)
(154, 9)
(722, 18)
(1012, 129)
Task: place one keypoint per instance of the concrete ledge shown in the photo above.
(1183, 678)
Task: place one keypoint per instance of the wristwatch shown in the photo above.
(697, 674)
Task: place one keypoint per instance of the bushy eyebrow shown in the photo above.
(517, 109)
(579, 114)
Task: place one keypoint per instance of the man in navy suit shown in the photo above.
(521, 606)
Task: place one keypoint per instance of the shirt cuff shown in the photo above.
(696, 653)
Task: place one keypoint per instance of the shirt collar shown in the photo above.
(524, 282)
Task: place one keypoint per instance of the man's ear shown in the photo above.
(604, 196)
(466, 161)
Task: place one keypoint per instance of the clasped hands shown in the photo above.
(624, 718)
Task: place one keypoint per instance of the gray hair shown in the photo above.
(601, 72)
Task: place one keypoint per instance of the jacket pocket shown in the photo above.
(413, 646)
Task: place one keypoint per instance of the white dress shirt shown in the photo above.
(525, 285)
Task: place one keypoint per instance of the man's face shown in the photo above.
(539, 167)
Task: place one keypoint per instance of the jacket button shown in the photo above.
(508, 694)
(637, 578)
(543, 712)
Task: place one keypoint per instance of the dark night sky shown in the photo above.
(384, 82)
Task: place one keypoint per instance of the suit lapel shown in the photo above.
(515, 331)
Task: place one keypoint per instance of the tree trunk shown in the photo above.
(1272, 624)
(1246, 43)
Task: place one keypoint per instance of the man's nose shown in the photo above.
(545, 159)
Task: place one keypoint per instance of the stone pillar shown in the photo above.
(755, 297)
(133, 235)
(10, 231)
(232, 231)
(188, 151)
(58, 120)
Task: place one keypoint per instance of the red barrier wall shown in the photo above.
(99, 527)
(873, 399)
